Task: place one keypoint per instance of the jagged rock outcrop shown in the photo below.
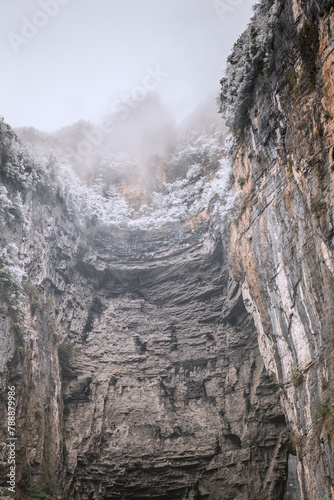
(283, 240)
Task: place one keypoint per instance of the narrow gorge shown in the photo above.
(187, 352)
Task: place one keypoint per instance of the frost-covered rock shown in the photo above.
(251, 56)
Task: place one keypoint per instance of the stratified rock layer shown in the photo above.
(283, 240)
(168, 388)
(141, 373)
(164, 392)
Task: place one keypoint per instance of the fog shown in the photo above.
(70, 60)
(133, 147)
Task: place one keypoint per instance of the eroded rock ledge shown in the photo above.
(168, 386)
(164, 393)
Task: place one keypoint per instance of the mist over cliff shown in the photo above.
(166, 287)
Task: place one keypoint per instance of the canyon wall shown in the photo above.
(283, 238)
(139, 375)
(192, 361)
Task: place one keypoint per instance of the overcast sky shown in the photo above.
(63, 60)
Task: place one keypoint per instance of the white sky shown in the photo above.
(91, 52)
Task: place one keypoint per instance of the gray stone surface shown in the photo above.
(292, 485)
(165, 394)
(283, 242)
(151, 365)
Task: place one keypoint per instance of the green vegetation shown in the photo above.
(289, 166)
(321, 173)
(241, 181)
(244, 203)
(323, 409)
(34, 296)
(47, 492)
(324, 383)
(290, 80)
(295, 439)
(321, 412)
(317, 205)
(297, 378)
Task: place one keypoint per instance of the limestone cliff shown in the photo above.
(139, 374)
(283, 236)
(173, 362)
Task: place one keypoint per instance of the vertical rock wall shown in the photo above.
(168, 397)
(283, 236)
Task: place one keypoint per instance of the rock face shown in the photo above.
(169, 364)
(167, 389)
(283, 240)
(164, 393)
